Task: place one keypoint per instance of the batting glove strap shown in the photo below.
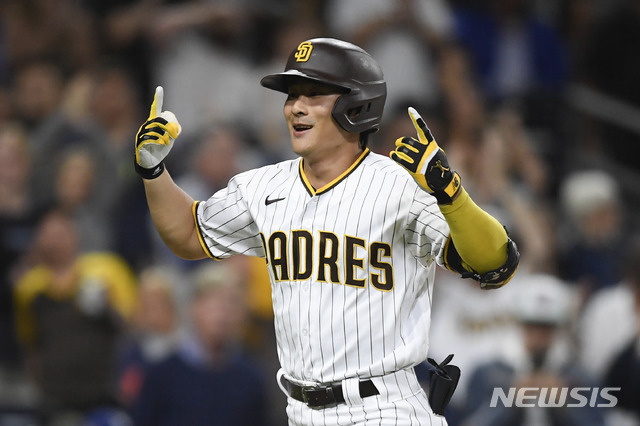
(149, 174)
(153, 130)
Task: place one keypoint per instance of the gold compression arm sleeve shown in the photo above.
(481, 241)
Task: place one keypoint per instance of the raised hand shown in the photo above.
(427, 162)
(155, 138)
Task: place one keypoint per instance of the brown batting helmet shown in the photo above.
(348, 68)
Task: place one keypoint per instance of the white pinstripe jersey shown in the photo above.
(351, 265)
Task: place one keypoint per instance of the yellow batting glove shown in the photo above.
(155, 138)
(427, 162)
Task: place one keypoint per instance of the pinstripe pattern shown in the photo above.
(328, 331)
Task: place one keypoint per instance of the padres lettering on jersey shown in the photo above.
(292, 259)
(341, 260)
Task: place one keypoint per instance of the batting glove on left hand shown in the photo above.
(155, 138)
(427, 162)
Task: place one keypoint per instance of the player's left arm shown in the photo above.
(480, 247)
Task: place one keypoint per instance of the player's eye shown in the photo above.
(294, 95)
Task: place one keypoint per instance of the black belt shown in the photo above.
(319, 396)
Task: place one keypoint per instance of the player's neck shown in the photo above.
(323, 170)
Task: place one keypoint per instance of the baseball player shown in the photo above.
(351, 238)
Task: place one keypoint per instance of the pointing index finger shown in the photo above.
(421, 127)
(156, 106)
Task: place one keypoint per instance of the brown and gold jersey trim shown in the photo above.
(312, 191)
(194, 210)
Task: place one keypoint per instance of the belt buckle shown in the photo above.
(317, 396)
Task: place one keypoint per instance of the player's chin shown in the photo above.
(300, 150)
(301, 144)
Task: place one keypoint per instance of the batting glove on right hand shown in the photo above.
(155, 138)
(427, 162)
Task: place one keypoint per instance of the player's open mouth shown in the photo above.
(300, 129)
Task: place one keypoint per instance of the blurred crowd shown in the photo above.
(536, 102)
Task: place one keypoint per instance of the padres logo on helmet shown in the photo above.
(304, 51)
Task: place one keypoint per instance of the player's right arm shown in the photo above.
(170, 206)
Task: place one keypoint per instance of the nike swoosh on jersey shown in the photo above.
(267, 201)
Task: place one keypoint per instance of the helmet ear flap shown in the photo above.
(356, 114)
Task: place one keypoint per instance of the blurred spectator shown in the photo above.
(75, 194)
(104, 105)
(624, 372)
(544, 307)
(70, 311)
(37, 92)
(59, 30)
(517, 57)
(592, 235)
(58, 127)
(96, 115)
(209, 380)
(134, 30)
(18, 220)
(609, 320)
(509, 140)
(134, 238)
(153, 331)
(124, 34)
(515, 188)
(405, 37)
(81, 140)
(6, 105)
(112, 108)
(608, 335)
(613, 35)
(220, 154)
(190, 39)
(463, 109)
